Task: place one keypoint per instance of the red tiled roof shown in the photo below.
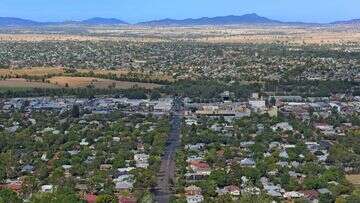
(16, 187)
(310, 194)
(90, 198)
(199, 165)
(232, 188)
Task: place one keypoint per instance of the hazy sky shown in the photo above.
(142, 10)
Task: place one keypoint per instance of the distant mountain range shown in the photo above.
(221, 20)
(18, 22)
(347, 22)
(5, 21)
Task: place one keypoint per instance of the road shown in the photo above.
(166, 175)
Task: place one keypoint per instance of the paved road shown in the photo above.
(166, 175)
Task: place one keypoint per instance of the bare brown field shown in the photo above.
(22, 83)
(81, 82)
(40, 71)
(354, 179)
(44, 71)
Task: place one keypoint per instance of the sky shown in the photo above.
(133, 11)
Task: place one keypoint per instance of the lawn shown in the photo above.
(354, 179)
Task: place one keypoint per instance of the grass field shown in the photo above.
(22, 83)
(354, 179)
(81, 82)
(124, 72)
(44, 71)
(71, 82)
(38, 71)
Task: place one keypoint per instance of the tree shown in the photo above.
(2, 173)
(60, 196)
(155, 95)
(354, 197)
(145, 178)
(224, 199)
(326, 198)
(314, 183)
(272, 101)
(211, 156)
(10, 196)
(250, 198)
(147, 197)
(253, 173)
(57, 177)
(333, 174)
(75, 111)
(105, 198)
(220, 177)
(9, 161)
(29, 185)
(208, 187)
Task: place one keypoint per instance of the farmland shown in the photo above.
(82, 82)
(35, 71)
(72, 82)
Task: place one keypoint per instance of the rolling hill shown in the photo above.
(8, 21)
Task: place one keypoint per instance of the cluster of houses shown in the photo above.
(97, 105)
(198, 169)
(295, 105)
(123, 178)
(230, 110)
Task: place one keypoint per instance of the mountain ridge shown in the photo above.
(19, 22)
(347, 22)
(251, 18)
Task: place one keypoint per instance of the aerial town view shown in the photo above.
(207, 101)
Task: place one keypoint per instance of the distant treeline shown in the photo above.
(203, 90)
(313, 88)
(134, 93)
(210, 90)
(131, 77)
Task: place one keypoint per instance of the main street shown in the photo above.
(166, 174)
